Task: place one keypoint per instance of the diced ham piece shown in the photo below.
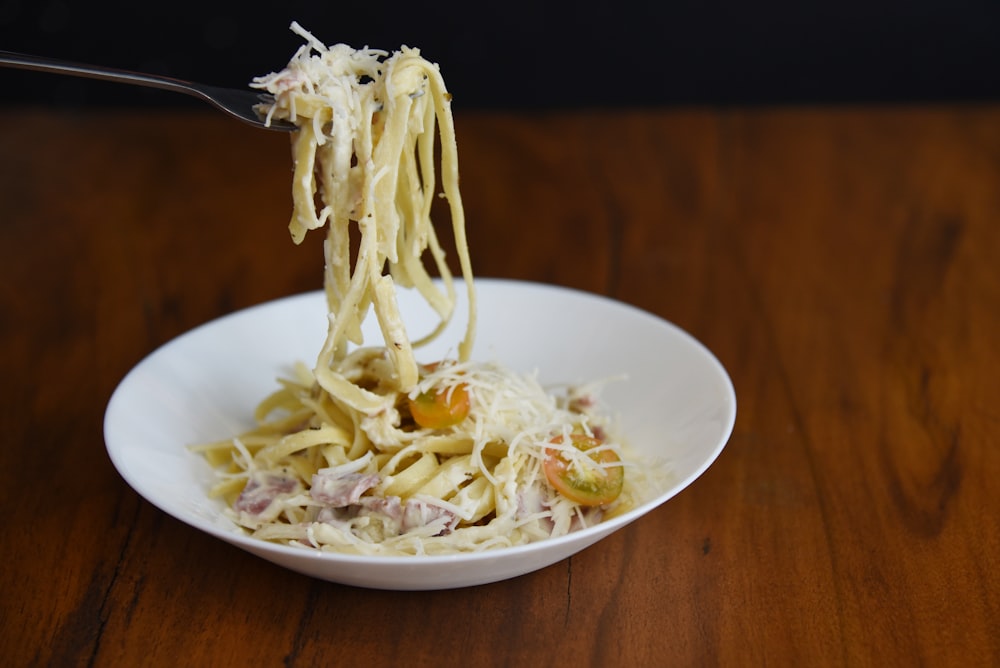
(581, 403)
(531, 500)
(337, 490)
(387, 506)
(288, 80)
(261, 491)
(419, 513)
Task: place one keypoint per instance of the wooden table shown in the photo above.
(841, 263)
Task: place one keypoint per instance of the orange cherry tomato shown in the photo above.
(586, 485)
(442, 408)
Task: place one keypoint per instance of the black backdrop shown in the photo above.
(530, 55)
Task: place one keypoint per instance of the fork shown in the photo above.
(241, 104)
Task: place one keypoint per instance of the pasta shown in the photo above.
(370, 451)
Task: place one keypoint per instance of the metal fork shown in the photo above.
(236, 102)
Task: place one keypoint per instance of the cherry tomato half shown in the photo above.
(586, 485)
(440, 409)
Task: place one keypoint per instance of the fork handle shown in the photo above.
(56, 66)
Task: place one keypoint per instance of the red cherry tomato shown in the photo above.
(440, 409)
(586, 485)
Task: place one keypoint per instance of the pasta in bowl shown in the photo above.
(387, 449)
(670, 397)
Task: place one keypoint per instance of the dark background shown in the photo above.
(533, 55)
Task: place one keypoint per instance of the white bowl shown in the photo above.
(676, 404)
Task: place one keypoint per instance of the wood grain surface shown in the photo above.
(842, 263)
